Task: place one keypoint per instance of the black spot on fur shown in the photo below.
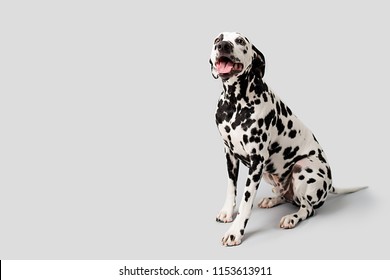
(329, 173)
(244, 160)
(242, 232)
(261, 146)
(242, 116)
(232, 172)
(319, 194)
(289, 124)
(268, 118)
(258, 87)
(255, 160)
(260, 122)
(254, 139)
(278, 108)
(227, 129)
(292, 134)
(293, 161)
(232, 88)
(232, 237)
(264, 137)
(318, 205)
(274, 148)
(309, 170)
(301, 177)
(247, 124)
(286, 174)
(265, 88)
(256, 177)
(321, 157)
(311, 181)
(290, 153)
(254, 131)
(265, 97)
(243, 81)
(270, 168)
(272, 97)
(224, 112)
(283, 109)
(280, 126)
(247, 196)
(246, 221)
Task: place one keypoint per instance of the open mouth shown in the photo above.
(226, 67)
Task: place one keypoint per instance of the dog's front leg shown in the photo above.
(226, 213)
(235, 233)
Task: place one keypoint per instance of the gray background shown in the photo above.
(108, 145)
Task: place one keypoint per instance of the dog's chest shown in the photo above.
(233, 121)
(233, 138)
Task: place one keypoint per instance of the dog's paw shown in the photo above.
(225, 216)
(231, 238)
(266, 202)
(289, 221)
(269, 202)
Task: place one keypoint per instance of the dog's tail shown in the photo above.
(347, 190)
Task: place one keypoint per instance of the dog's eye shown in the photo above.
(240, 41)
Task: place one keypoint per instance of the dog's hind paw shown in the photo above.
(269, 202)
(289, 221)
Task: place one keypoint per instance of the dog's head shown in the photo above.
(233, 54)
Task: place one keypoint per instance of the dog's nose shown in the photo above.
(225, 47)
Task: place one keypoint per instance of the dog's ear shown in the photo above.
(213, 70)
(258, 62)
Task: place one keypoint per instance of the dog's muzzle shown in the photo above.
(227, 67)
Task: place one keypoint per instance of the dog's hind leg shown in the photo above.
(269, 202)
(290, 221)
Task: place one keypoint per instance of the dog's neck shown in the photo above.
(239, 87)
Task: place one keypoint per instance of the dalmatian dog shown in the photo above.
(260, 131)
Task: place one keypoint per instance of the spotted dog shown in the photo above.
(260, 130)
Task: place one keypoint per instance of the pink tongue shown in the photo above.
(224, 67)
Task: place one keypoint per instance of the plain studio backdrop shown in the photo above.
(108, 144)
